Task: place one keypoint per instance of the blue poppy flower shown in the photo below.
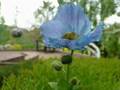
(70, 18)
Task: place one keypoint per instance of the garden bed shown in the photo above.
(92, 74)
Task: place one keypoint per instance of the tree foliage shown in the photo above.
(107, 8)
(111, 41)
(94, 8)
(44, 12)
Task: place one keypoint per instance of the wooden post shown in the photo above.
(37, 45)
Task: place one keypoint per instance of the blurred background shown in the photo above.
(25, 17)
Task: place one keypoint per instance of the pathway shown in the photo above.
(15, 56)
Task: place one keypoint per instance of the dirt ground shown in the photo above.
(9, 55)
(6, 56)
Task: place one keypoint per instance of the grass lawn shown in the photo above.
(90, 74)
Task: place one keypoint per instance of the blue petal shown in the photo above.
(73, 17)
(80, 43)
(56, 43)
(70, 18)
(53, 29)
(96, 34)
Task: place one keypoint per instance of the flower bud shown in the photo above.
(66, 59)
(57, 66)
(74, 81)
(17, 33)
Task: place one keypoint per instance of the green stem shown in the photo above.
(37, 45)
(72, 51)
(67, 75)
(68, 72)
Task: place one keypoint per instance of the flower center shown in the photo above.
(70, 36)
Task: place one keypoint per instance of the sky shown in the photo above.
(25, 10)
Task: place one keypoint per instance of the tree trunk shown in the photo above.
(37, 45)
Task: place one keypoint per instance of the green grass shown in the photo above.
(92, 74)
(26, 41)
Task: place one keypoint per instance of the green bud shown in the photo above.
(66, 59)
(57, 66)
(118, 13)
(17, 33)
(74, 81)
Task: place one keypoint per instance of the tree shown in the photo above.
(111, 40)
(60, 2)
(2, 21)
(45, 12)
(102, 8)
(94, 8)
(107, 8)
